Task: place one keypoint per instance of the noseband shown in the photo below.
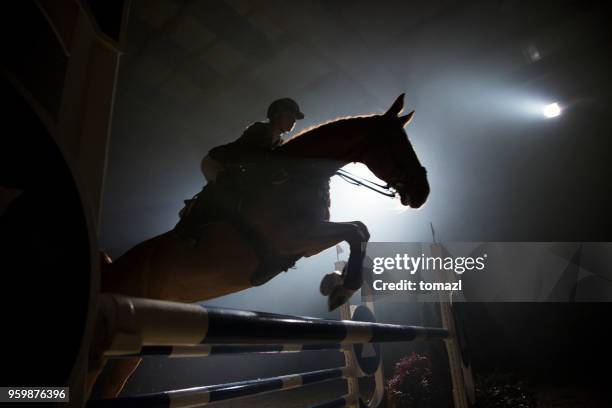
(389, 190)
(350, 178)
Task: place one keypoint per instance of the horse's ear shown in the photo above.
(396, 108)
(404, 120)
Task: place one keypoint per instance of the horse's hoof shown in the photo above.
(363, 230)
(339, 296)
(329, 282)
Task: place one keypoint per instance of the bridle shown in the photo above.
(355, 180)
(388, 190)
(391, 189)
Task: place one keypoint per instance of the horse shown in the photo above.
(288, 219)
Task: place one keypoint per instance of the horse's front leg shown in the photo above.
(313, 239)
(351, 278)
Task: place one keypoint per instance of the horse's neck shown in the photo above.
(332, 145)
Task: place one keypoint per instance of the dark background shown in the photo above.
(196, 73)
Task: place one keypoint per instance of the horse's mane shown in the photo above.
(326, 127)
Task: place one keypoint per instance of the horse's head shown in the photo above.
(391, 158)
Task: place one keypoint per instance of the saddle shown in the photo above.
(222, 201)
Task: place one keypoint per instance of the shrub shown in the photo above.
(414, 384)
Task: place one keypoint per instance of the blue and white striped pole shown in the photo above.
(198, 396)
(135, 322)
(205, 350)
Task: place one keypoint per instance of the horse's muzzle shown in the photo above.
(405, 199)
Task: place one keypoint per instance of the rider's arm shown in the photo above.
(256, 137)
(252, 148)
(210, 168)
(221, 153)
(247, 147)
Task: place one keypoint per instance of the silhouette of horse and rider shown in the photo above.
(266, 205)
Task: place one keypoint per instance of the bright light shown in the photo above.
(350, 202)
(552, 110)
(381, 214)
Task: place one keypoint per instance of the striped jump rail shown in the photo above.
(198, 396)
(205, 350)
(136, 327)
(136, 322)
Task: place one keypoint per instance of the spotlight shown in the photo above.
(532, 53)
(552, 110)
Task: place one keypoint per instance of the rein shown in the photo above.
(369, 184)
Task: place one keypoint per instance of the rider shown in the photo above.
(256, 141)
(254, 146)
